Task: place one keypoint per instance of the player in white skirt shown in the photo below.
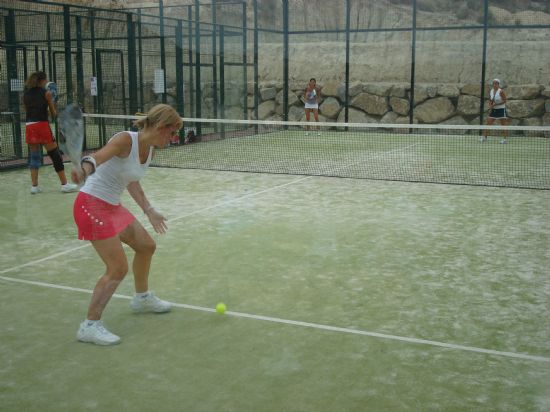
(497, 110)
(312, 97)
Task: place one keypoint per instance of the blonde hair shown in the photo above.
(160, 115)
(34, 79)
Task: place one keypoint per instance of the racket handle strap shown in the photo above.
(90, 160)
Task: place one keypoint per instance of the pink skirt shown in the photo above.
(97, 219)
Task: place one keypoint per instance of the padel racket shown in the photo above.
(52, 88)
(71, 136)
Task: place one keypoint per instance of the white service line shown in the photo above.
(445, 345)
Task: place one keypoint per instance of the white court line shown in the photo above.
(445, 345)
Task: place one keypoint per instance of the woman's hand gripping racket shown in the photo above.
(71, 137)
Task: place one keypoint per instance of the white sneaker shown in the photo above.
(483, 140)
(35, 190)
(96, 333)
(149, 303)
(69, 187)
(503, 141)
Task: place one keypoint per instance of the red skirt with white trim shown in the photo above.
(97, 219)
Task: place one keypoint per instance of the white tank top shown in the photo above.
(111, 178)
(495, 97)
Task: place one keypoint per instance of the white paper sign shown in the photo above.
(158, 86)
(17, 85)
(93, 86)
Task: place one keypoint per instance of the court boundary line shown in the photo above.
(311, 325)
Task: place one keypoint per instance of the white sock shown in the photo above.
(142, 294)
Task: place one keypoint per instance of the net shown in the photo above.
(452, 154)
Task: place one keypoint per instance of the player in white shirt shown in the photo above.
(497, 110)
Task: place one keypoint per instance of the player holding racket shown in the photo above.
(101, 219)
(38, 101)
(497, 110)
(312, 96)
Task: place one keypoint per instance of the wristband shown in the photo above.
(90, 160)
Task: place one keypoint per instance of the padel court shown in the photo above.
(342, 294)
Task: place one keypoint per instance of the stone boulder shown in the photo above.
(331, 89)
(448, 90)
(268, 93)
(371, 103)
(266, 109)
(380, 89)
(399, 105)
(295, 113)
(525, 108)
(523, 92)
(472, 89)
(355, 88)
(292, 98)
(389, 118)
(468, 105)
(356, 116)
(434, 110)
(399, 90)
(330, 108)
(456, 120)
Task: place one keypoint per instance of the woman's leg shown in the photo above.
(34, 153)
(60, 173)
(111, 252)
(316, 114)
(143, 244)
(504, 122)
(490, 121)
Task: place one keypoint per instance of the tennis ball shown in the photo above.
(220, 308)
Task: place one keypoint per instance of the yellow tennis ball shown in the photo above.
(220, 308)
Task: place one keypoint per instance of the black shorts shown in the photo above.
(498, 113)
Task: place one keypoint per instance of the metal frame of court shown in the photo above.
(180, 43)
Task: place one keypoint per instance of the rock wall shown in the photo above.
(528, 105)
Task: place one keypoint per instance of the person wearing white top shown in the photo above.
(102, 220)
(497, 110)
(312, 97)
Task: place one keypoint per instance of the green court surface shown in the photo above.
(343, 295)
